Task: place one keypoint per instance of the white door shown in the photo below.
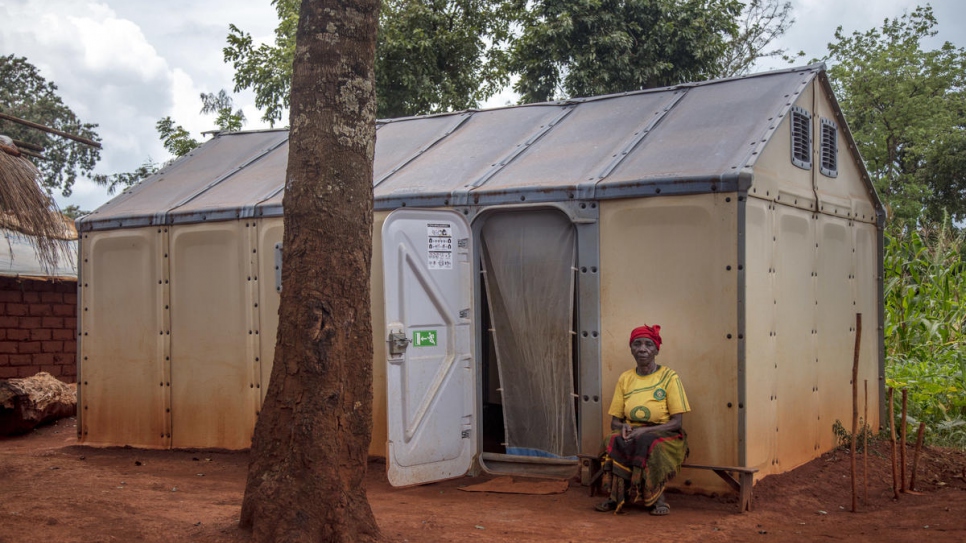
(427, 264)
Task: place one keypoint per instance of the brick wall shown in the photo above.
(38, 328)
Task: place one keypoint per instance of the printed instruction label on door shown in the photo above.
(440, 256)
(424, 338)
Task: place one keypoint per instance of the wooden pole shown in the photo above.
(902, 444)
(50, 130)
(915, 456)
(892, 441)
(865, 447)
(855, 408)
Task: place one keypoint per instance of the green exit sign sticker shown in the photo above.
(424, 338)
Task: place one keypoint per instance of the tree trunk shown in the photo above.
(306, 480)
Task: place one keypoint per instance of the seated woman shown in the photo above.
(648, 445)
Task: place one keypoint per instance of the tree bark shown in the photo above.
(306, 479)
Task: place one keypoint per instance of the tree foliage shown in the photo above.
(925, 315)
(177, 139)
(26, 94)
(907, 110)
(761, 23)
(590, 47)
(431, 56)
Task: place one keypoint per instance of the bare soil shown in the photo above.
(53, 490)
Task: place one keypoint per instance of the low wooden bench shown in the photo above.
(742, 484)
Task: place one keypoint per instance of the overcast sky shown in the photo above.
(124, 64)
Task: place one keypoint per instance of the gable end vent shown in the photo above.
(801, 138)
(829, 165)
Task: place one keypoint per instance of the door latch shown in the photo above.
(398, 343)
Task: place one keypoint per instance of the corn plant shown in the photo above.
(925, 312)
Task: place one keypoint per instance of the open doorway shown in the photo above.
(528, 361)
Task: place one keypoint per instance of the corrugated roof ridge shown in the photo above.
(461, 197)
(402, 164)
(162, 216)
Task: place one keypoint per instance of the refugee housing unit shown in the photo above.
(514, 250)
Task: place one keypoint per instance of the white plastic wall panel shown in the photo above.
(269, 233)
(469, 153)
(835, 323)
(866, 296)
(761, 368)
(213, 396)
(246, 187)
(712, 130)
(846, 194)
(380, 434)
(666, 261)
(187, 176)
(583, 144)
(776, 178)
(796, 360)
(122, 373)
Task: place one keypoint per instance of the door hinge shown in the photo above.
(465, 434)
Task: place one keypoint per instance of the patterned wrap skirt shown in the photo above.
(638, 470)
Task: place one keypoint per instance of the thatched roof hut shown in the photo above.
(26, 208)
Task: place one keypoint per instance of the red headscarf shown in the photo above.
(653, 332)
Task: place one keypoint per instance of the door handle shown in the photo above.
(398, 343)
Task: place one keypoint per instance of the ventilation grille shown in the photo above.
(801, 138)
(830, 149)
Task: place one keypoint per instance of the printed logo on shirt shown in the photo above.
(640, 414)
(660, 394)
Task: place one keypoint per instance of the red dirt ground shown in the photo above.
(53, 490)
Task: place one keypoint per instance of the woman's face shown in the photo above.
(644, 350)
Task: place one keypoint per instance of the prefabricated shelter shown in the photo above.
(514, 250)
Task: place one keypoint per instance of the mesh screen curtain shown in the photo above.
(529, 259)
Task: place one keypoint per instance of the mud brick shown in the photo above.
(53, 370)
(29, 323)
(28, 371)
(52, 297)
(52, 347)
(18, 335)
(8, 372)
(70, 347)
(44, 359)
(11, 296)
(40, 310)
(63, 359)
(52, 322)
(17, 310)
(62, 334)
(38, 334)
(31, 297)
(28, 347)
(21, 360)
(9, 347)
(70, 323)
(64, 310)
(9, 322)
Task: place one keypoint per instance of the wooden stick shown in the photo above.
(27, 145)
(50, 130)
(902, 444)
(865, 447)
(915, 456)
(855, 408)
(892, 441)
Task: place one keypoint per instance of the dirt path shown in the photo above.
(52, 490)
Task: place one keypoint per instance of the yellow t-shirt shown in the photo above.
(651, 399)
